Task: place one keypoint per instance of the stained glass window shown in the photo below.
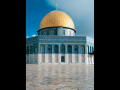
(42, 48)
(56, 48)
(41, 32)
(82, 49)
(47, 32)
(90, 48)
(82, 46)
(31, 48)
(69, 49)
(35, 50)
(63, 32)
(27, 49)
(55, 32)
(76, 49)
(44, 33)
(63, 49)
(49, 49)
(35, 46)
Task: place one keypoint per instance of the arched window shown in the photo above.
(35, 50)
(47, 32)
(76, 49)
(63, 32)
(82, 49)
(41, 32)
(49, 49)
(31, 49)
(62, 49)
(55, 32)
(90, 49)
(28, 49)
(69, 49)
(56, 49)
(42, 48)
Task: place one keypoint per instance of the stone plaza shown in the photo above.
(59, 77)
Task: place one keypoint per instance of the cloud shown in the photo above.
(33, 35)
(27, 36)
(81, 12)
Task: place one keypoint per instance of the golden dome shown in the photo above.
(55, 19)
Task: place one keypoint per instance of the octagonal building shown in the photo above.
(56, 42)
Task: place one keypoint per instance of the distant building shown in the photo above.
(56, 42)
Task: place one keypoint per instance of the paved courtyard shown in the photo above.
(59, 77)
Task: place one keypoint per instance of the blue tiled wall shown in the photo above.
(50, 31)
(79, 40)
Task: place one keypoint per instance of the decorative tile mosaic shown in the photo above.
(51, 32)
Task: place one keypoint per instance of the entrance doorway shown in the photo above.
(62, 58)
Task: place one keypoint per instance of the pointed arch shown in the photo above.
(42, 48)
(76, 49)
(27, 49)
(92, 49)
(31, 49)
(69, 49)
(82, 49)
(56, 49)
(49, 49)
(62, 49)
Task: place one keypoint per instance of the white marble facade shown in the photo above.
(56, 58)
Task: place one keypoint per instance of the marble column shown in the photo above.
(33, 58)
(86, 58)
(66, 55)
(26, 58)
(29, 55)
(59, 55)
(92, 59)
(89, 49)
(59, 58)
(80, 57)
(66, 58)
(39, 56)
(46, 55)
(73, 60)
(53, 56)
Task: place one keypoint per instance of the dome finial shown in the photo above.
(56, 6)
